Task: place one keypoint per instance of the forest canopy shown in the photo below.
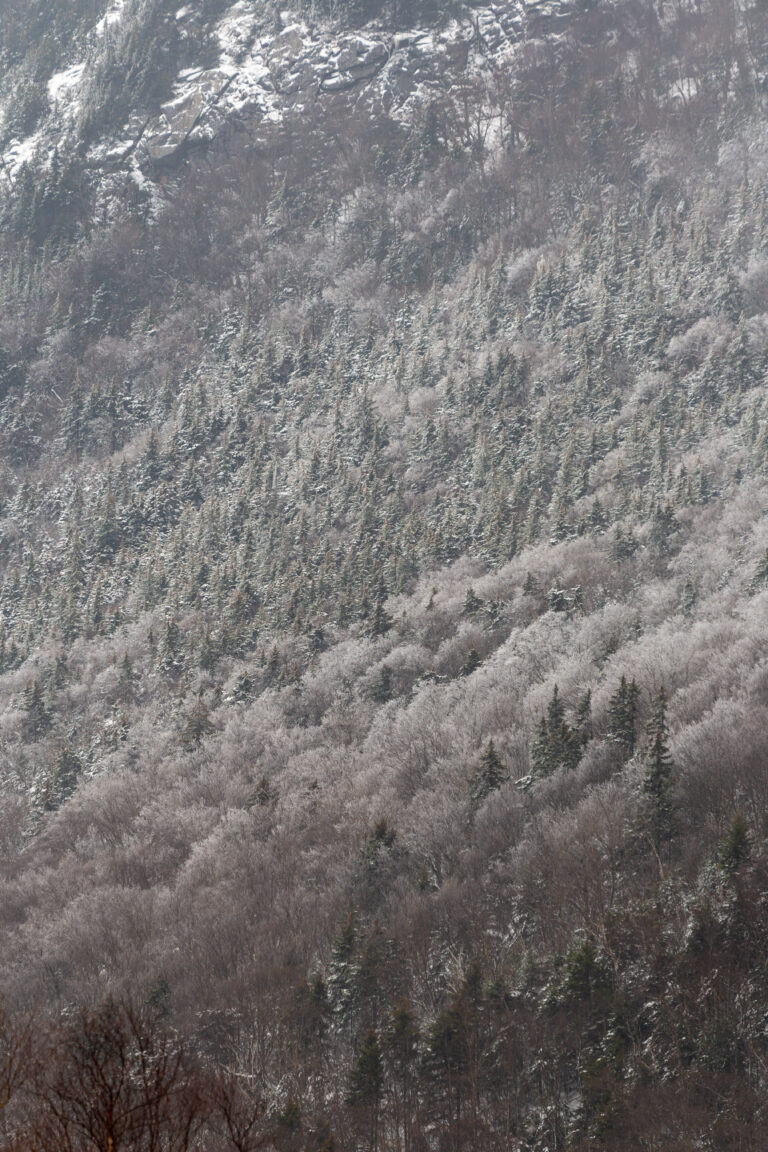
(384, 581)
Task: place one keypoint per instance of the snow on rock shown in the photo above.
(272, 65)
(112, 16)
(61, 84)
(20, 152)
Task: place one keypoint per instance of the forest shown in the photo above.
(384, 592)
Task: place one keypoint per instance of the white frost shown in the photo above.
(62, 82)
(111, 16)
(20, 152)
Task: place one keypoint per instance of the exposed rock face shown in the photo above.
(263, 73)
(183, 115)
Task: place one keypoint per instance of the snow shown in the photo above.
(235, 28)
(20, 152)
(62, 82)
(684, 89)
(264, 72)
(110, 17)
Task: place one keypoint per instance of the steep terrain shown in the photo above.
(383, 446)
(235, 69)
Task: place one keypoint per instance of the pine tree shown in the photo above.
(557, 744)
(37, 717)
(622, 716)
(734, 848)
(472, 603)
(198, 725)
(341, 970)
(656, 785)
(760, 578)
(288, 1126)
(471, 663)
(489, 775)
(380, 622)
(401, 1048)
(365, 1085)
(64, 778)
(170, 651)
(582, 718)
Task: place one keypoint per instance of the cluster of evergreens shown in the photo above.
(382, 606)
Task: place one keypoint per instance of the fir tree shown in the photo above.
(365, 1085)
(622, 716)
(170, 651)
(488, 777)
(557, 744)
(472, 603)
(658, 769)
(198, 725)
(734, 849)
(380, 622)
(37, 717)
(471, 663)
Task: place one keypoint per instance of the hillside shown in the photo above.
(384, 574)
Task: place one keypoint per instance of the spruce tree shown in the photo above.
(198, 725)
(622, 716)
(365, 1085)
(557, 744)
(656, 785)
(734, 848)
(37, 717)
(489, 775)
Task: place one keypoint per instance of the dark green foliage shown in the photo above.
(341, 970)
(557, 744)
(310, 1013)
(365, 1078)
(472, 603)
(333, 364)
(734, 848)
(382, 688)
(489, 775)
(760, 578)
(584, 976)
(159, 997)
(582, 717)
(288, 1125)
(658, 775)
(622, 716)
(37, 715)
(63, 780)
(380, 622)
(264, 796)
(198, 725)
(170, 650)
(471, 663)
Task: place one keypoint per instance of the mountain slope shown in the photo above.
(384, 567)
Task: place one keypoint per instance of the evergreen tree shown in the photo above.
(63, 780)
(380, 622)
(342, 969)
(557, 744)
(401, 1048)
(198, 725)
(734, 849)
(472, 603)
(471, 663)
(488, 777)
(622, 716)
(656, 786)
(37, 716)
(170, 650)
(365, 1085)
